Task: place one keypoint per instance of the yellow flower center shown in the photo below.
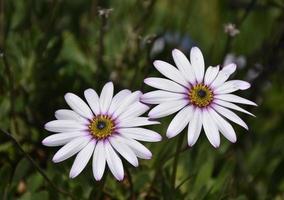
(200, 95)
(101, 127)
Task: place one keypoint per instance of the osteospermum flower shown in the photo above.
(105, 127)
(202, 98)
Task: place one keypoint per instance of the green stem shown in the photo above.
(129, 177)
(184, 181)
(31, 160)
(175, 162)
(101, 190)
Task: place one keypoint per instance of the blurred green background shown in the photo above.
(51, 47)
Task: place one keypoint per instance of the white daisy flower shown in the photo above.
(105, 127)
(202, 98)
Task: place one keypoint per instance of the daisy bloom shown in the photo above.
(202, 99)
(106, 127)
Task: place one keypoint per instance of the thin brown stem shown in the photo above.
(238, 23)
(159, 167)
(31, 160)
(103, 16)
(129, 177)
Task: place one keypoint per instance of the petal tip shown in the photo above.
(120, 178)
(156, 63)
(67, 95)
(44, 142)
(195, 48)
(159, 138)
(190, 145)
(136, 165)
(72, 175)
(153, 122)
(234, 140)
(169, 135)
(55, 159)
(45, 126)
(109, 84)
(174, 51)
(97, 178)
(146, 81)
(87, 91)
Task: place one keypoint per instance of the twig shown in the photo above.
(31, 160)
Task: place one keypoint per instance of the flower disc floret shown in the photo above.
(101, 127)
(200, 95)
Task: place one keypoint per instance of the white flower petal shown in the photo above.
(124, 151)
(219, 80)
(197, 62)
(99, 160)
(211, 74)
(194, 127)
(71, 148)
(234, 98)
(136, 121)
(160, 96)
(165, 84)
(106, 97)
(223, 75)
(66, 114)
(170, 72)
(210, 129)
(141, 134)
(135, 110)
(180, 121)
(167, 108)
(230, 115)
(231, 106)
(118, 99)
(184, 66)
(78, 105)
(114, 162)
(128, 100)
(139, 149)
(93, 100)
(225, 128)
(232, 86)
(61, 138)
(64, 126)
(82, 159)
(229, 69)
